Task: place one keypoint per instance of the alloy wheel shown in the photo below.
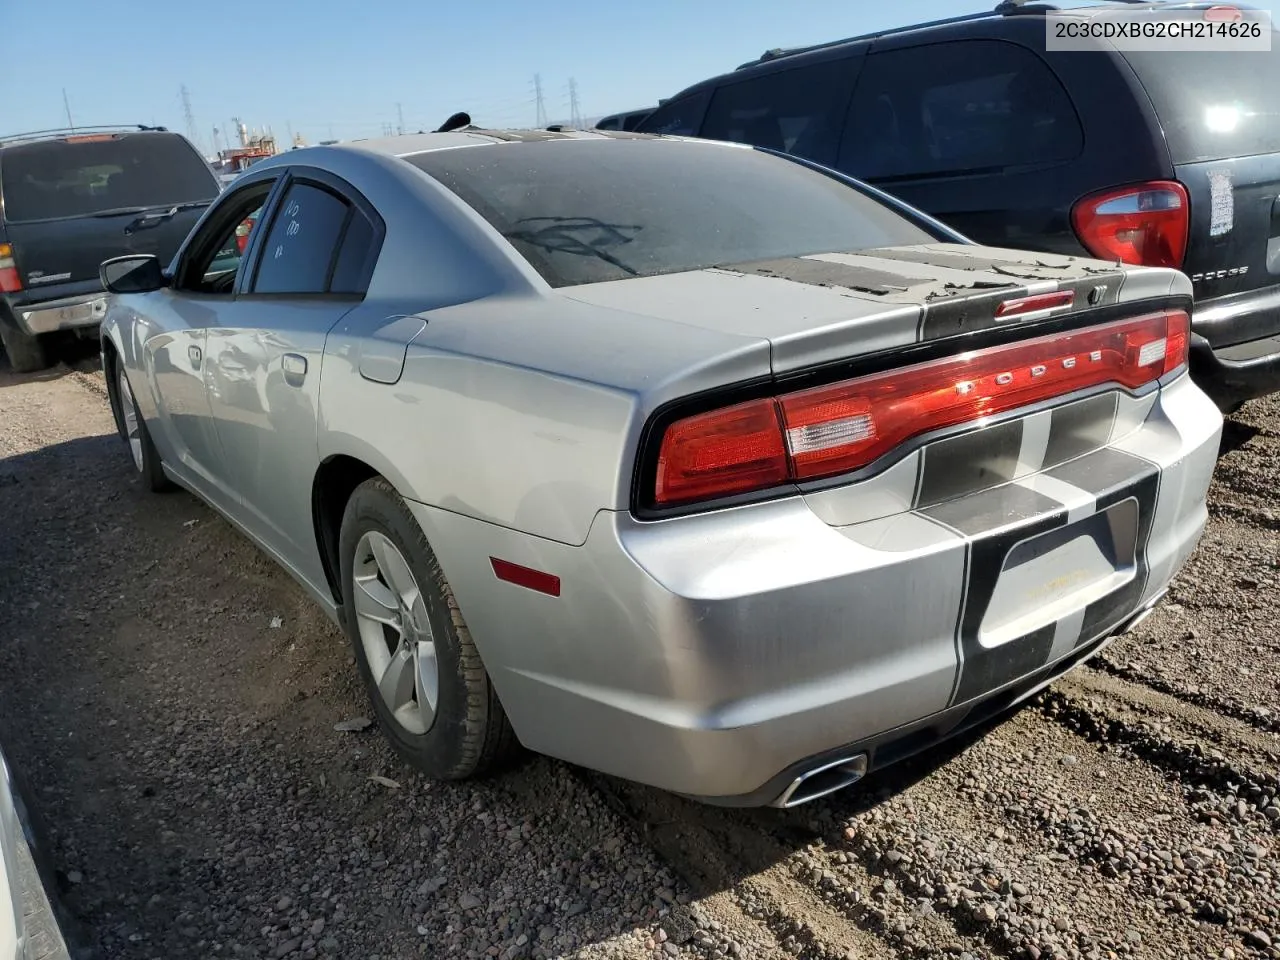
(395, 631)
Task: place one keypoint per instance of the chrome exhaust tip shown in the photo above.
(823, 780)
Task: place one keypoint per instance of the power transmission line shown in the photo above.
(71, 124)
(538, 98)
(575, 117)
(400, 118)
(187, 114)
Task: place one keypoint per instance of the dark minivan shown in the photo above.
(1169, 159)
(71, 199)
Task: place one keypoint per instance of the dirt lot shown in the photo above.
(174, 696)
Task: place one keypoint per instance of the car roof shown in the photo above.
(1004, 10)
(408, 145)
(77, 133)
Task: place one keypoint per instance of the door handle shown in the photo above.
(295, 369)
(194, 354)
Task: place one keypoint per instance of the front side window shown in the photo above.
(685, 206)
(298, 251)
(216, 253)
(798, 111)
(969, 106)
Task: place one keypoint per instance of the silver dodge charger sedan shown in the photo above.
(683, 461)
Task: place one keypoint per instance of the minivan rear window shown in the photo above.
(963, 107)
(54, 179)
(591, 211)
(1213, 104)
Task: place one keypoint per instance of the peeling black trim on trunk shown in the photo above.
(825, 273)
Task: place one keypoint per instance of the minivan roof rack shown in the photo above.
(778, 53)
(74, 131)
(1005, 8)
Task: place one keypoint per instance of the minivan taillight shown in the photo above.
(1146, 223)
(830, 430)
(10, 282)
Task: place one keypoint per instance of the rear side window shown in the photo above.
(352, 267)
(796, 111)
(82, 176)
(300, 248)
(679, 118)
(969, 106)
(610, 209)
(1214, 104)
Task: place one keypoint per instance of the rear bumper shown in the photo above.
(1236, 346)
(1232, 375)
(67, 313)
(716, 655)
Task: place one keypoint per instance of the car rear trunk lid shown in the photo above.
(830, 307)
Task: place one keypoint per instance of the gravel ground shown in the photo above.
(174, 696)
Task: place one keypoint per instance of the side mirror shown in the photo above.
(132, 274)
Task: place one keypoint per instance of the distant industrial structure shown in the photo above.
(248, 147)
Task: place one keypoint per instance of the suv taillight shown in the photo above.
(1146, 223)
(830, 430)
(10, 282)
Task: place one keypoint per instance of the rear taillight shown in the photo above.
(1146, 224)
(242, 234)
(10, 282)
(830, 430)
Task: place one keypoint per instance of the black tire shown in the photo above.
(470, 735)
(149, 471)
(26, 353)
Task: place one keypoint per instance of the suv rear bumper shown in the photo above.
(1235, 347)
(67, 313)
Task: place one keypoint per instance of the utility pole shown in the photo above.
(187, 114)
(538, 99)
(71, 124)
(575, 118)
(217, 150)
(400, 117)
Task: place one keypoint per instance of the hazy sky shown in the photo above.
(325, 68)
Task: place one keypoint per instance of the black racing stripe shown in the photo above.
(825, 273)
(1109, 612)
(985, 669)
(1078, 428)
(992, 509)
(964, 464)
(1018, 515)
(984, 564)
(1103, 471)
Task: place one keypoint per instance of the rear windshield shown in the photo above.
(76, 178)
(1214, 104)
(590, 211)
